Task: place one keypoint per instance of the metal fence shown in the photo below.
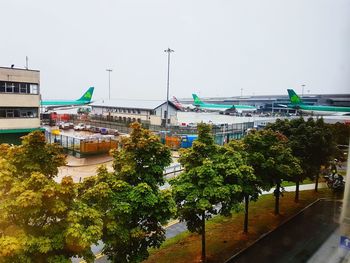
(82, 147)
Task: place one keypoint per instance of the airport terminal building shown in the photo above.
(19, 103)
(276, 103)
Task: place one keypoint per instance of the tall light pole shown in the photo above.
(302, 90)
(167, 88)
(109, 82)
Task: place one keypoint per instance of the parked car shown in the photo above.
(95, 129)
(113, 132)
(104, 131)
(63, 126)
(87, 127)
(79, 127)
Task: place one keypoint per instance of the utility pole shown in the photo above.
(169, 51)
(109, 83)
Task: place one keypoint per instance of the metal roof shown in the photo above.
(131, 104)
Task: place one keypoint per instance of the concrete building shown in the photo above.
(19, 103)
(151, 112)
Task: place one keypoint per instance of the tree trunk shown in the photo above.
(296, 199)
(277, 198)
(246, 202)
(204, 259)
(316, 183)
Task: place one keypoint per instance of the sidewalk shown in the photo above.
(91, 160)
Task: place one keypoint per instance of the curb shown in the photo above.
(269, 232)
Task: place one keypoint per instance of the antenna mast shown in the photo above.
(26, 62)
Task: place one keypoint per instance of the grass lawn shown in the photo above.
(306, 181)
(224, 234)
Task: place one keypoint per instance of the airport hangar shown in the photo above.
(273, 103)
(151, 112)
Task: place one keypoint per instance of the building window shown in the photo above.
(9, 87)
(23, 88)
(18, 113)
(2, 86)
(34, 89)
(10, 113)
(16, 87)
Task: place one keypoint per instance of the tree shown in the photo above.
(323, 145)
(272, 159)
(311, 142)
(35, 155)
(237, 171)
(298, 133)
(132, 206)
(200, 190)
(341, 136)
(41, 220)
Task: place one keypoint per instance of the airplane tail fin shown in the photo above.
(197, 100)
(293, 97)
(87, 95)
(177, 103)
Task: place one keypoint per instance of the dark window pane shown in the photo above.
(2, 86)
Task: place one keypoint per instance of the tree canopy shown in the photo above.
(40, 219)
(206, 187)
(272, 159)
(35, 155)
(312, 142)
(132, 206)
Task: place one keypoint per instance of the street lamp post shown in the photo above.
(302, 90)
(109, 83)
(167, 89)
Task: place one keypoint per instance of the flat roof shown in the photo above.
(130, 104)
(20, 69)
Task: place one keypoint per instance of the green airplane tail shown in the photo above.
(197, 100)
(87, 95)
(293, 97)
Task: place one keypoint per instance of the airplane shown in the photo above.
(84, 100)
(297, 104)
(180, 106)
(221, 107)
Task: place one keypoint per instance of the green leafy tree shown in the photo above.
(312, 142)
(323, 145)
(40, 219)
(272, 159)
(298, 133)
(201, 190)
(237, 171)
(341, 136)
(35, 155)
(132, 206)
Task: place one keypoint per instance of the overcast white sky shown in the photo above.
(221, 46)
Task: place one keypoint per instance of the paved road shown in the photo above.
(297, 240)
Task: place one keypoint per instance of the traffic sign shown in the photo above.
(345, 242)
